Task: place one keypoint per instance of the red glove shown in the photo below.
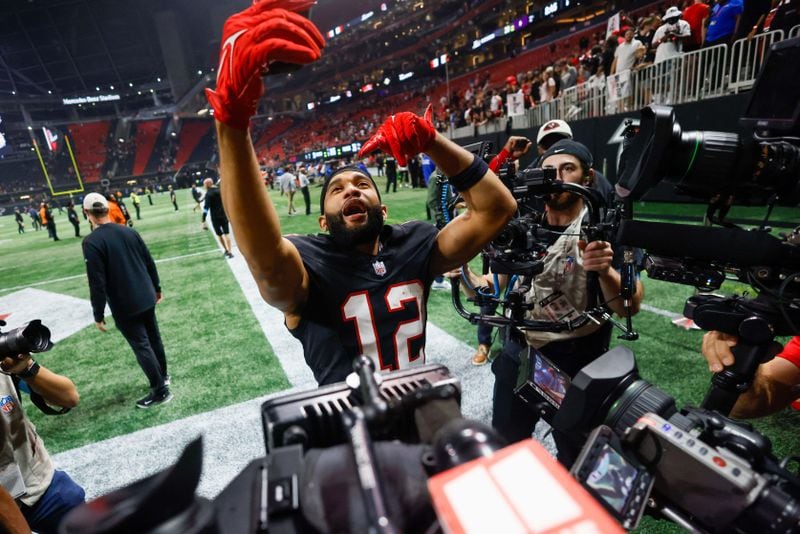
(252, 39)
(403, 135)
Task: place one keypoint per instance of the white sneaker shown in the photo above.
(440, 286)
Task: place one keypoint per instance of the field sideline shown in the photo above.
(216, 349)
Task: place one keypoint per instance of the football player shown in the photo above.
(362, 287)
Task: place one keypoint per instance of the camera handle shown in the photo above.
(756, 333)
(355, 426)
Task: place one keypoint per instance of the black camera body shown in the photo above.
(708, 472)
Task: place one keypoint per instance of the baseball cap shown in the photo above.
(553, 127)
(672, 12)
(573, 148)
(511, 79)
(94, 200)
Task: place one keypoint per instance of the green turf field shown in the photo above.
(217, 352)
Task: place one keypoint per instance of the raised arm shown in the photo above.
(252, 40)
(490, 204)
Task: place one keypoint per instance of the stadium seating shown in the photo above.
(89, 145)
(147, 133)
(195, 143)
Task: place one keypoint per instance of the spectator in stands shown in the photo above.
(627, 53)
(696, 15)
(671, 35)
(784, 15)
(73, 218)
(645, 34)
(725, 17)
(46, 216)
(609, 54)
(547, 86)
(173, 197)
(753, 14)
(568, 74)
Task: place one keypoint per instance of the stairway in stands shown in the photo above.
(147, 133)
(195, 142)
(89, 146)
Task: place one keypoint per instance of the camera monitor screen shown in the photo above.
(548, 380)
(612, 478)
(775, 99)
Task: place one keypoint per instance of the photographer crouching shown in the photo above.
(44, 495)
(561, 292)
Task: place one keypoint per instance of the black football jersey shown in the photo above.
(363, 304)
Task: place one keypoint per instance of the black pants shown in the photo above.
(20, 228)
(141, 332)
(51, 230)
(77, 227)
(391, 179)
(306, 199)
(512, 417)
(136, 207)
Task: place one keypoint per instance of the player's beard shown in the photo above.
(352, 237)
(561, 201)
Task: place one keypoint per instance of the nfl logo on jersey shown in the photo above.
(380, 268)
(7, 404)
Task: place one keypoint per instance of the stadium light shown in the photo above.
(111, 87)
(97, 88)
(130, 84)
(158, 80)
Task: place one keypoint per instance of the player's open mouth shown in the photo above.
(354, 210)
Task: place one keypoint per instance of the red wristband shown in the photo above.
(499, 160)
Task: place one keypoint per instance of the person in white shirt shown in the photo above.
(671, 35)
(627, 53)
(288, 187)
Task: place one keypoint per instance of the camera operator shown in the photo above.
(44, 495)
(562, 289)
(363, 288)
(776, 384)
(553, 131)
(671, 35)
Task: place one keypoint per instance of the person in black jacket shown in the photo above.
(219, 221)
(122, 272)
(72, 215)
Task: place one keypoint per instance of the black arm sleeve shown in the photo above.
(96, 272)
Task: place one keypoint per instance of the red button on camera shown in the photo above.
(719, 461)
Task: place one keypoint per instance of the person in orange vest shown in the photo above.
(115, 212)
(47, 220)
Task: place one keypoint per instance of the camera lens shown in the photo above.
(33, 337)
(639, 398)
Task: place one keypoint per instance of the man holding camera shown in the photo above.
(671, 35)
(561, 291)
(122, 272)
(776, 384)
(363, 288)
(44, 495)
